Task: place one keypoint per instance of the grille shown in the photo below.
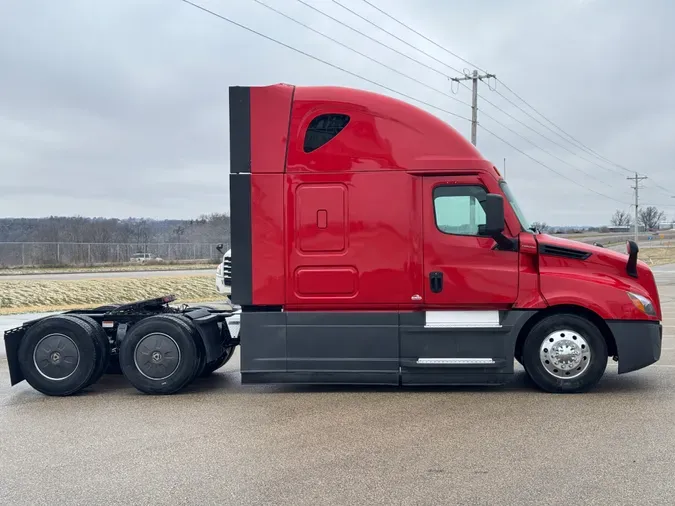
(227, 270)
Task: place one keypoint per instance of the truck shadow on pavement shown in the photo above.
(225, 382)
(229, 381)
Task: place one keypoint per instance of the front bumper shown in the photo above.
(638, 343)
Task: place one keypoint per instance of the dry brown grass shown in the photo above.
(106, 268)
(57, 295)
(658, 256)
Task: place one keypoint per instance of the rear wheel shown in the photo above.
(565, 353)
(58, 355)
(102, 348)
(159, 355)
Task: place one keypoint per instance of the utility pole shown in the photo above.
(504, 167)
(637, 180)
(474, 78)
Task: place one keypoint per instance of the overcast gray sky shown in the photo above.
(119, 107)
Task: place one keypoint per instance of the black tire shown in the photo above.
(55, 343)
(568, 373)
(102, 348)
(198, 342)
(214, 366)
(177, 355)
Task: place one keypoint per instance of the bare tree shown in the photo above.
(179, 231)
(541, 226)
(650, 217)
(621, 219)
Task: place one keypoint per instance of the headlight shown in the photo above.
(642, 303)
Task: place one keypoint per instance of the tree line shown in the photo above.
(212, 228)
(649, 217)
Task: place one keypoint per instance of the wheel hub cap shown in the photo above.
(157, 356)
(56, 357)
(565, 354)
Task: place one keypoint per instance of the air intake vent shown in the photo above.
(562, 251)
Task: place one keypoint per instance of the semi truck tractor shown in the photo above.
(371, 243)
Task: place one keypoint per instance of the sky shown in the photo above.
(119, 108)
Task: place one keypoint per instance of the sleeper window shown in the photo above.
(458, 209)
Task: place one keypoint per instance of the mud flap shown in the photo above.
(12, 342)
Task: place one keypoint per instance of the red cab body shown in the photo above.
(362, 250)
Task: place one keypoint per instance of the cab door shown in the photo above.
(460, 336)
(464, 270)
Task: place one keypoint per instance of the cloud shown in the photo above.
(119, 107)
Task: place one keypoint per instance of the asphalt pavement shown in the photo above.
(221, 442)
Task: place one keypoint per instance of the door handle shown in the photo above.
(436, 281)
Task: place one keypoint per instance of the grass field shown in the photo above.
(57, 295)
(657, 256)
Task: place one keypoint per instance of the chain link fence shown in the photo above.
(27, 254)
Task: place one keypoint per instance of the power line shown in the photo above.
(424, 37)
(462, 84)
(542, 149)
(259, 2)
(355, 30)
(551, 169)
(474, 120)
(561, 146)
(396, 36)
(556, 133)
(244, 27)
(316, 58)
(578, 144)
(452, 68)
(581, 146)
(661, 188)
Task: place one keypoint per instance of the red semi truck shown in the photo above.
(371, 244)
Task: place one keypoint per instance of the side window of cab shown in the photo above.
(458, 209)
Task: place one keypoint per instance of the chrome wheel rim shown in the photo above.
(565, 354)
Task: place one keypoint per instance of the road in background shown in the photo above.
(621, 237)
(70, 276)
(222, 442)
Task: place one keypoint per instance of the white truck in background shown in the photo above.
(224, 287)
(224, 272)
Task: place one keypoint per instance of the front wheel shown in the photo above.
(565, 353)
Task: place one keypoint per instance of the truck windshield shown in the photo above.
(514, 205)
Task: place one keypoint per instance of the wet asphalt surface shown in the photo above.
(223, 443)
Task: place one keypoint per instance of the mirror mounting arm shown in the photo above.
(505, 243)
